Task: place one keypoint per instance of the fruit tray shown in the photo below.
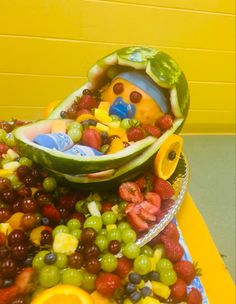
(179, 181)
(196, 282)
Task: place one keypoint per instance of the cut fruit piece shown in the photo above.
(65, 294)
(168, 156)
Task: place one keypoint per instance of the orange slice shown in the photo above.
(66, 294)
(168, 156)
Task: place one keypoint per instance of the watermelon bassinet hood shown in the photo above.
(128, 163)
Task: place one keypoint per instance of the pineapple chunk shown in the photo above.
(161, 290)
(65, 243)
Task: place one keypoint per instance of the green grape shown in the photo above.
(115, 118)
(75, 125)
(168, 277)
(3, 135)
(73, 224)
(164, 264)
(108, 262)
(161, 248)
(125, 123)
(72, 277)
(109, 218)
(38, 261)
(89, 281)
(24, 161)
(10, 140)
(128, 235)
(102, 242)
(147, 251)
(49, 184)
(123, 225)
(142, 264)
(113, 235)
(75, 134)
(49, 276)
(103, 232)
(61, 261)
(14, 180)
(131, 250)
(59, 229)
(76, 233)
(94, 222)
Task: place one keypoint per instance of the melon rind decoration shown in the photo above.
(128, 163)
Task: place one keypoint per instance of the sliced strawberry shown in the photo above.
(146, 215)
(51, 212)
(136, 222)
(106, 207)
(107, 284)
(141, 182)
(154, 199)
(124, 266)
(150, 207)
(130, 192)
(24, 280)
(87, 102)
(163, 188)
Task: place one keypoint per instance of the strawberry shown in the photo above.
(51, 212)
(136, 222)
(135, 134)
(106, 207)
(185, 270)
(3, 149)
(150, 207)
(154, 199)
(147, 215)
(163, 188)
(124, 266)
(107, 283)
(171, 232)
(194, 297)
(92, 138)
(141, 182)
(165, 122)
(130, 192)
(87, 102)
(173, 250)
(179, 290)
(152, 130)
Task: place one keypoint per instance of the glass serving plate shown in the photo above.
(180, 181)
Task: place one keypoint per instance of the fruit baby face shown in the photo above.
(144, 99)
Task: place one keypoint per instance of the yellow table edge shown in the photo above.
(218, 284)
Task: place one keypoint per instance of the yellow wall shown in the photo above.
(46, 47)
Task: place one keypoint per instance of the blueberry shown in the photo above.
(28, 261)
(130, 288)
(135, 278)
(135, 297)
(50, 258)
(146, 291)
(45, 221)
(153, 276)
(88, 122)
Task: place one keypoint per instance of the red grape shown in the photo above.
(88, 235)
(16, 237)
(8, 196)
(23, 171)
(5, 214)
(93, 265)
(8, 268)
(76, 260)
(29, 205)
(91, 251)
(24, 192)
(19, 252)
(114, 247)
(5, 184)
(29, 221)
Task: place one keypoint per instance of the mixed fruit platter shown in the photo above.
(81, 191)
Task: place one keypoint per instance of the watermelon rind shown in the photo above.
(127, 171)
(71, 164)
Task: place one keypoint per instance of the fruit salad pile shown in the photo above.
(95, 131)
(51, 236)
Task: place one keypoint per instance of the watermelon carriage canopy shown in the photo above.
(111, 128)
